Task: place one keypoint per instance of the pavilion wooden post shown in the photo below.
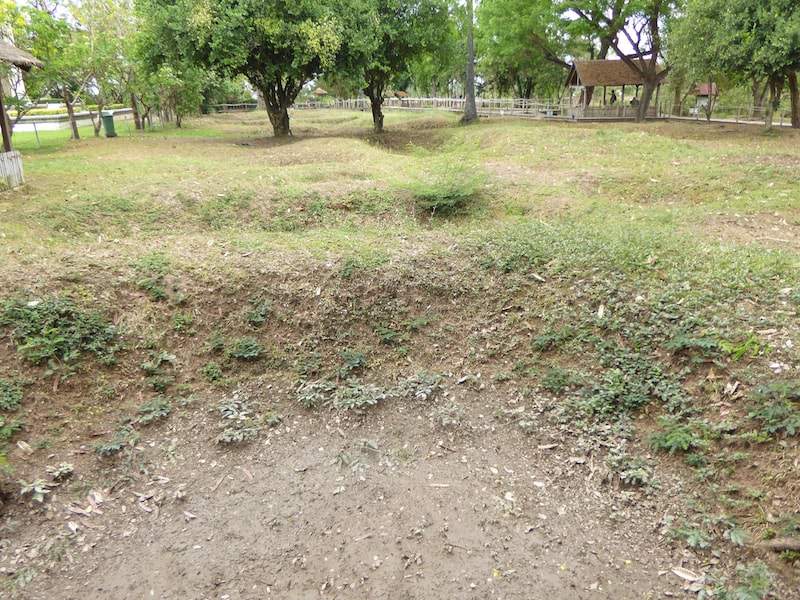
(622, 103)
(4, 124)
(658, 92)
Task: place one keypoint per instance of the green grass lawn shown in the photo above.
(646, 276)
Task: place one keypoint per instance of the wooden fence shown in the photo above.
(517, 107)
(11, 175)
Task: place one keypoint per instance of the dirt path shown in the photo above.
(392, 504)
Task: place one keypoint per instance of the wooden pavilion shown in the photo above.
(10, 161)
(614, 74)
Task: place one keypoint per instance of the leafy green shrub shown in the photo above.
(315, 394)
(450, 187)
(10, 395)
(8, 428)
(558, 380)
(780, 416)
(215, 343)
(353, 360)
(309, 364)
(693, 536)
(55, 329)
(357, 396)
(259, 312)
(160, 383)
(550, 340)
(388, 336)
(702, 348)
(212, 371)
(152, 269)
(125, 436)
(631, 470)
(237, 422)
(154, 410)
(779, 408)
(753, 582)
(182, 322)
(676, 436)
(246, 348)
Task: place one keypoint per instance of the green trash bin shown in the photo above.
(108, 123)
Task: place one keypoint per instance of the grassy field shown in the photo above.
(641, 281)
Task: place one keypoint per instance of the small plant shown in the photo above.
(237, 422)
(450, 416)
(160, 383)
(308, 365)
(8, 428)
(693, 536)
(10, 395)
(703, 348)
(750, 346)
(388, 336)
(778, 410)
(448, 188)
(182, 323)
(551, 340)
(315, 394)
(676, 436)
(246, 348)
(125, 436)
(36, 489)
(62, 472)
(56, 331)
(631, 470)
(154, 410)
(558, 380)
(778, 417)
(259, 312)
(357, 396)
(152, 269)
(212, 371)
(754, 581)
(422, 386)
(353, 360)
(215, 343)
(157, 361)
(272, 419)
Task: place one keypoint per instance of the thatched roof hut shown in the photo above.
(604, 73)
(19, 58)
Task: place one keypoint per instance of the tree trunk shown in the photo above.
(775, 93)
(71, 114)
(470, 110)
(794, 94)
(376, 103)
(137, 119)
(759, 94)
(99, 124)
(279, 117)
(178, 120)
(605, 45)
(644, 103)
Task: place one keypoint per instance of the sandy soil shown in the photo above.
(389, 504)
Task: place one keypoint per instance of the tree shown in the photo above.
(64, 50)
(470, 110)
(691, 57)
(403, 30)
(753, 40)
(639, 22)
(278, 45)
(520, 46)
(441, 70)
(600, 23)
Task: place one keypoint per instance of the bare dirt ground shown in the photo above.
(393, 504)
